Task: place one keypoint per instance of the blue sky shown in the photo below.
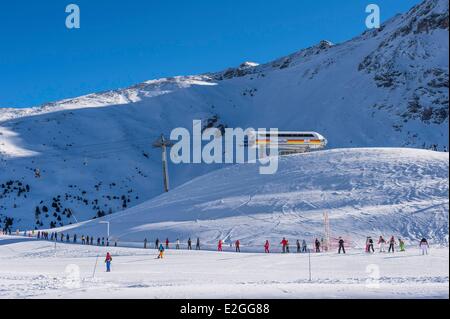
(121, 43)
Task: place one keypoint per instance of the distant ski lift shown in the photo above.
(287, 142)
(163, 143)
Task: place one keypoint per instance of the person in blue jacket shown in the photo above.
(161, 251)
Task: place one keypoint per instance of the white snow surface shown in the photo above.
(36, 269)
(366, 192)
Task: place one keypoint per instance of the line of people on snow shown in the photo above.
(423, 245)
(84, 240)
(166, 244)
(382, 244)
(302, 247)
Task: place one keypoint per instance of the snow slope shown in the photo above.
(366, 192)
(387, 87)
(33, 269)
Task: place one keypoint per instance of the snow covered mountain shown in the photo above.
(367, 191)
(387, 87)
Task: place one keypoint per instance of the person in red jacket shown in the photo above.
(266, 247)
(284, 244)
(238, 244)
(108, 260)
(219, 245)
(167, 243)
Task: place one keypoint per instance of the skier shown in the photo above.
(304, 246)
(92, 240)
(287, 246)
(98, 241)
(157, 243)
(401, 243)
(197, 246)
(167, 243)
(67, 238)
(62, 237)
(82, 240)
(370, 245)
(189, 244)
(317, 244)
(75, 238)
(298, 246)
(341, 245)
(87, 240)
(266, 247)
(391, 244)
(424, 246)
(283, 244)
(219, 245)
(177, 246)
(103, 241)
(381, 243)
(145, 243)
(238, 244)
(108, 260)
(161, 251)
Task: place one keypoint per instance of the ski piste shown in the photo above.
(36, 269)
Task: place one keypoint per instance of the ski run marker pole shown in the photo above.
(95, 267)
(309, 262)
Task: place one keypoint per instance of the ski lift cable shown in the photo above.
(61, 157)
(91, 155)
(114, 151)
(108, 145)
(107, 150)
(58, 156)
